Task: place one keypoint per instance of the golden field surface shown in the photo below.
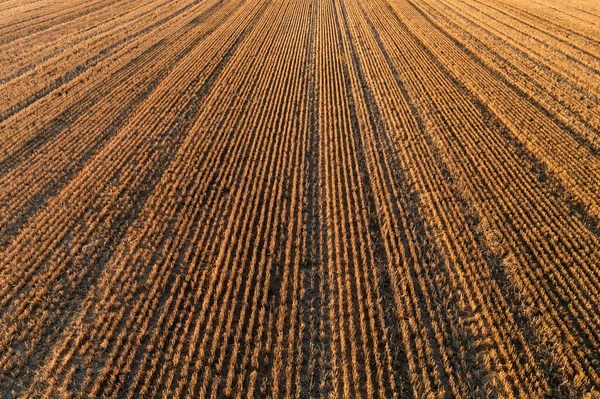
(300, 198)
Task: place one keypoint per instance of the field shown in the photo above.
(300, 198)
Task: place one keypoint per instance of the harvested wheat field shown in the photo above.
(300, 198)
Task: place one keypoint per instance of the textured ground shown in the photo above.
(300, 198)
